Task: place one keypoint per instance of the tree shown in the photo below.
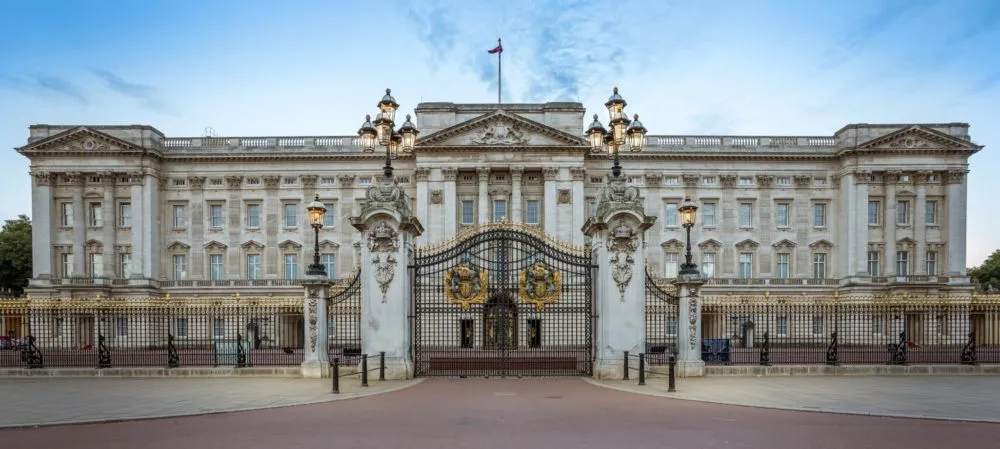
(987, 275)
(15, 254)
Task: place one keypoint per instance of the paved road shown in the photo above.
(511, 413)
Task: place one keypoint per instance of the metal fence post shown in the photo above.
(381, 365)
(335, 374)
(671, 375)
(625, 371)
(642, 369)
(364, 370)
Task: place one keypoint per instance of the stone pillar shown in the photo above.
(270, 214)
(75, 182)
(654, 203)
(450, 204)
(317, 359)
(234, 226)
(689, 362)
(388, 228)
(920, 225)
(135, 227)
(855, 186)
(579, 204)
(889, 227)
(346, 203)
(617, 234)
(957, 203)
(150, 227)
(196, 221)
(764, 226)
(516, 173)
(483, 175)
(42, 226)
(551, 205)
(111, 260)
(420, 177)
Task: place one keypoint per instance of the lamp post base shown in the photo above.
(316, 270)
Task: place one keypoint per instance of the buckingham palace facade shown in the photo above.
(129, 211)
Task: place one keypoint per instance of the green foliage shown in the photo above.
(15, 254)
(987, 275)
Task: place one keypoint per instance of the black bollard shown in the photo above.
(335, 374)
(642, 369)
(381, 365)
(364, 370)
(625, 371)
(671, 375)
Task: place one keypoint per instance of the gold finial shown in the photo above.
(97, 297)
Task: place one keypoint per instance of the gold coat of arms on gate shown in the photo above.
(539, 285)
(465, 284)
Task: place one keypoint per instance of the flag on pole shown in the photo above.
(498, 50)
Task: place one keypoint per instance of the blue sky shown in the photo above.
(688, 67)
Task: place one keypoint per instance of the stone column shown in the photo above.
(801, 224)
(41, 226)
(196, 221)
(483, 175)
(346, 203)
(450, 203)
(920, 225)
(75, 181)
(654, 203)
(516, 172)
(957, 203)
(270, 214)
(689, 362)
(729, 216)
(551, 205)
(234, 227)
(889, 227)
(388, 228)
(617, 234)
(579, 204)
(135, 227)
(856, 190)
(108, 227)
(151, 226)
(765, 225)
(420, 176)
(316, 362)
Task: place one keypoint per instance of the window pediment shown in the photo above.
(784, 245)
(94, 246)
(710, 245)
(673, 245)
(178, 247)
(905, 244)
(328, 246)
(289, 245)
(747, 245)
(821, 245)
(215, 246)
(252, 245)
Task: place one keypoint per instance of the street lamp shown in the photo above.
(380, 132)
(624, 132)
(687, 210)
(316, 211)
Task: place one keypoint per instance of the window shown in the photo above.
(329, 263)
(219, 327)
(594, 205)
(531, 212)
(709, 180)
(670, 265)
(819, 215)
(878, 324)
(873, 264)
(874, 212)
(670, 215)
(499, 210)
(215, 215)
(903, 212)
(215, 265)
(96, 218)
(327, 181)
(96, 265)
(121, 327)
(746, 215)
(819, 265)
(67, 265)
(180, 267)
(365, 181)
(671, 326)
(181, 327)
(330, 217)
(253, 266)
(67, 214)
(902, 263)
(783, 181)
(746, 265)
(819, 181)
(782, 326)
(291, 215)
(783, 266)
(291, 266)
(746, 181)
(671, 181)
(817, 325)
(125, 215)
(253, 216)
(124, 265)
(932, 263)
(253, 181)
(290, 181)
(781, 215)
(708, 265)
(708, 215)
(468, 212)
(179, 217)
(930, 212)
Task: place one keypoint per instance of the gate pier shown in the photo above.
(316, 361)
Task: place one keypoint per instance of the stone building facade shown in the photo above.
(128, 211)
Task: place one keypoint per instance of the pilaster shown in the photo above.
(270, 221)
(889, 257)
(654, 202)
(450, 175)
(111, 260)
(957, 202)
(920, 225)
(516, 173)
(420, 177)
(196, 255)
(551, 206)
(233, 226)
(42, 226)
(483, 176)
(578, 204)
(74, 180)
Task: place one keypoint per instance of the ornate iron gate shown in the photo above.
(662, 320)
(502, 300)
(343, 315)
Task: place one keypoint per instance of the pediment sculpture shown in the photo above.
(500, 132)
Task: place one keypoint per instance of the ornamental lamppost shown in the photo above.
(624, 132)
(382, 133)
(687, 210)
(316, 211)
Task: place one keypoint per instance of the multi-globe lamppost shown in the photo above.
(382, 133)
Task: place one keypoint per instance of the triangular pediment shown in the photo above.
(327, 245)
(918, 137)
(80, 140)
(784, 244)
(290, 245)
(252, 245)
(178, 246)
(215, 246)
(821, 244)
(747, 245)
(710, 244)
(672, 245)
(501, 129)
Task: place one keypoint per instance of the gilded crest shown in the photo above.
(465, 284)
(539, 285)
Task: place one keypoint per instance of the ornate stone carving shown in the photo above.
(500, 132)
(905, 244)
(483, 173)
(862, 176)
(465, 284)
(501, 190)
(108, 178)
(196, 182)
(619, 195)
(437, 196)
(420, 174)
(386, 194)
(876, 246)
(747, 245)
(622, 244)
(821, 245)
(765, 181)
(313, 306)
(550, 173)
(710, 245)
(271, 181)
(290, 245)
(691, 180)
(784, 245)
(346, 181)
(921, 176)
(693, 316)
(802, 181)
(673, 245)
(308, 181)
(516, 172)
(252, 246)
(728, 181)
(578, 173)
(891, 176)
(908, 142)
(234, 181)
(955, 176)
(565, 196)
(383, 242)
(72, 178)
(935, 246)
(42, 178)
(539, 285)
(449, 173)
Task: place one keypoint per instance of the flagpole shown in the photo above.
(499, 72)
